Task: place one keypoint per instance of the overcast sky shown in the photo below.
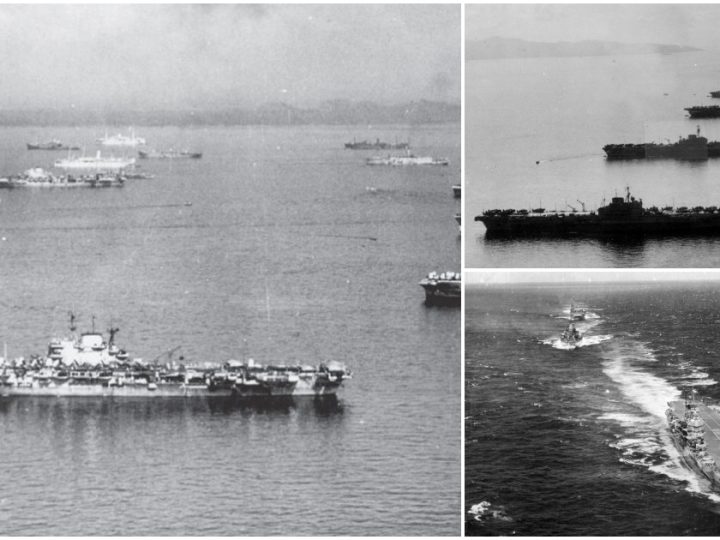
(674, 24)
(218, 55)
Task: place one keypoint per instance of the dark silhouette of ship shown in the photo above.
(704, 111)
(377, 145)
(715, 94)
(623, 217)
(694, 147)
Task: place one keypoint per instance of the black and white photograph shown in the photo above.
(592, 135)
(591, 403)
(230, 270)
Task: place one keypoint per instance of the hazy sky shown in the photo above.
(674, 24)
(589, 276)
(240, 55)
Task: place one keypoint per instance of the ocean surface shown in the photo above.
(535, 131)
(575, 442)
(278, 245)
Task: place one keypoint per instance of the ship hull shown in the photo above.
(303, 387)
(169, 391)
(593, 226)
(442, 296)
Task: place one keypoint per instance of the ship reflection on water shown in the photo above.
(58, 408)
(622, 252)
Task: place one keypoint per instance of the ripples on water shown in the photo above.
(284, 256)
(575, 442)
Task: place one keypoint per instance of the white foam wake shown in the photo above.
(646, 440)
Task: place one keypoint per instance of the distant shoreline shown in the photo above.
(497, 48)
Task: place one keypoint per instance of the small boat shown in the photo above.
(121, 140)
(715, 94)
(53, 144)
(401, 161)
(457, 191)
(168, 154)
(571, 336)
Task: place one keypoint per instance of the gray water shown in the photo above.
(535, 132)
(291, 250)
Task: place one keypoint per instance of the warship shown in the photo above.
(694, 147)
(704, 111)
(88, 365)
(695, 430)
(571, 336)
(577, 314)
(377, 145)
(53, 144)
(622, 217)
(442, 289)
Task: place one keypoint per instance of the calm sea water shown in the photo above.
(535, 132)
(574, 442)
(292, 250)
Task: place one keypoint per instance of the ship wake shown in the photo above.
(645, 440)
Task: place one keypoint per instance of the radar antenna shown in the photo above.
(72, 321)
(112, 331)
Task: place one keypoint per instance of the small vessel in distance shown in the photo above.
(168, 154)
(715, 94)
(96, 162)
(442, 289)
(577, 314)
(571, 336)
(88, 365)
(121, 140)
(40, 178)
(623, 217)
(694, 147)
(410, 159)
(704, 111)
(695, 430)
(53, 144)
(457, 190)
(377, 145)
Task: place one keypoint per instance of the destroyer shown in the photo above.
(623, 217)
(571, 336)
(695, 429)
(88, 365)
(577, 314)
(442, 289)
